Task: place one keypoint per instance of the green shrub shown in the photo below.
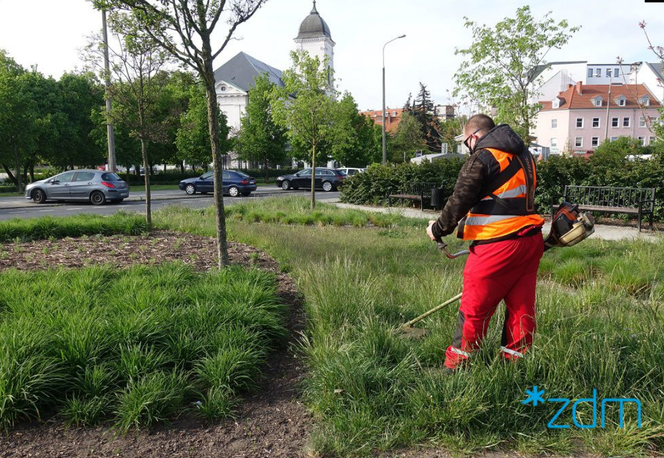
(379, 181)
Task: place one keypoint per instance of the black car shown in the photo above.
(234, 183)
(326, 179)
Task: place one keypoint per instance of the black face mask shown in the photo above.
(465, 142)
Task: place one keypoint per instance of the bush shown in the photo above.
(379, 181)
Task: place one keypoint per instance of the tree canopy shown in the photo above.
(501, 65)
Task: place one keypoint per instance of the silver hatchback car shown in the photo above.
(95, 186)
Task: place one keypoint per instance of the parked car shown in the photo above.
(326, 179)
(96, 186)
(350, 171)
(234, 183)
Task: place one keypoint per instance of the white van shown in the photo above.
(350, 171)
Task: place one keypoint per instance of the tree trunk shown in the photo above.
(10, 175)
(182, 167)
(213, 127)
(267, 172)
(313, 175)
(148, 200)
(17, 167)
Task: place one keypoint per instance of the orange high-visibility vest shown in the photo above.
(508, 207)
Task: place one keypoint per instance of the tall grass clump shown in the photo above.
(133, 347)
(599, 328)
(71, 226)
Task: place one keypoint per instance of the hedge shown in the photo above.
(379, 181)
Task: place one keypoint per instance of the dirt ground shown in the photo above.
(272, 422)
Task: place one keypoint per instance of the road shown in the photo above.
(19, 207)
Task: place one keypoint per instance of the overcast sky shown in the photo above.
(51, 33)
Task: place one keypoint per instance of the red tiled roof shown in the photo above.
(581, 96)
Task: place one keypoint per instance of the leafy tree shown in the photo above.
(139, 80)
(407, 139)
(17, 114)
(355, 143)
(184, 28)
(79, 96)
(310, 116)
(193, 137)
(261, 139)
(500, 65)
(449, 129)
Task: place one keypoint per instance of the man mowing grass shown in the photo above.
(493, 205)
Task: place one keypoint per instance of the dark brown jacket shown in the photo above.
(474, 174)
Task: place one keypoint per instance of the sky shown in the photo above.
(51, 33)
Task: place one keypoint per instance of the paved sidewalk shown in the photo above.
(602, 231)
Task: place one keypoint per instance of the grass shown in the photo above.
(599, 327)
(24, 230)
(133, 347)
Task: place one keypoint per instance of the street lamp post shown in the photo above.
(384, 151)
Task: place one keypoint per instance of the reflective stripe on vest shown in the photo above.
(503, 211)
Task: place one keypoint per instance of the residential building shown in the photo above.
(650, 74)
(580, 118)
(392, 118)
(554, 77)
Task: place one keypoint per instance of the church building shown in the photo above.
(235, 78)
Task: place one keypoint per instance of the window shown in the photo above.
(594, 142)
(597, 101)
(614, 122)
(579, 123)
(613, 139)
(621, 101)
(608, 73)
(645, 100)
(642, 141)
(626, 122)
(590, 72)
(554, 123)
(226, 176)
(578, 142)
(64, 177)
(651, 140)
(595, 123)
(642, 121)
(598, 72)
(554, 143)
(85, 176)
(616, 73)
(555, 103)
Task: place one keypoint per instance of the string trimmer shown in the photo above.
(569, 227)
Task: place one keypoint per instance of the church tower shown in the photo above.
(315, 37)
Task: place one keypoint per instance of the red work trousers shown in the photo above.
(496, 271)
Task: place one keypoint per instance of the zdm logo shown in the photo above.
(535, 397)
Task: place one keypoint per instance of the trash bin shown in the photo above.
(437, 198)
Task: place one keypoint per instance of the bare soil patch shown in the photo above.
(272, 422)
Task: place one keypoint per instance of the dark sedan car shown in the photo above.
(234, 183)
(95, 186)
(326, 179)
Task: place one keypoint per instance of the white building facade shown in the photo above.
(235, 78)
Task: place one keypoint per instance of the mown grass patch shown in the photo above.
(133, 347)
(23, 230)
(297, 211)
(599, 327)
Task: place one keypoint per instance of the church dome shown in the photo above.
(314, 26)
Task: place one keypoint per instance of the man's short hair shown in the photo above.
(479, 121)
